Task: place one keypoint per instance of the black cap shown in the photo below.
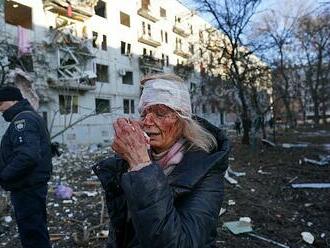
(9, 93)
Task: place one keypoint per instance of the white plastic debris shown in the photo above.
(236, 174)
(307, 237)
(8, 219)
(103, 234)
(308, 205)
(263, 172)
(322, 235)
(253, 190)
(230, 179)
(222, 211)
(286, 145)
(309, 223)
(231, 202)
(90, 194)
(322, 162)
(268, 240)
(268, 142)
(311, 185)
(67, 201)
(246, 219)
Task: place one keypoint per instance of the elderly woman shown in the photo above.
(164, 187)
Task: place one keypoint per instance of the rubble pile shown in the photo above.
(260, 208)
(76, 219)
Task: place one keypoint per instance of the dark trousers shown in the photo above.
(31, 216)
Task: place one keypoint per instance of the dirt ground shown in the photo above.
(277, 211)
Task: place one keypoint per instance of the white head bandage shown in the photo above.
(170, 93)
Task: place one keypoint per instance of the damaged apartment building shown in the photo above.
(79, 62)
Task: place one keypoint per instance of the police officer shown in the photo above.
(25, 166)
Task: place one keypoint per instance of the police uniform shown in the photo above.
(25, 169)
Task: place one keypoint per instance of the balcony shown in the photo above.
(72, 85)
(74, 69)
(148, 40)
(149, 63)
(182, 53)
(146, 13)
(80, 9)
(179, 29)
(184, 70)
(83, 82)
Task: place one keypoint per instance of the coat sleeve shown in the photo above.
(158, 223)
(24, 135)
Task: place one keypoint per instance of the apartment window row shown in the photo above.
(69, 105)
(147, 52)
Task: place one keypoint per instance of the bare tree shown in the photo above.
(313, 33)
(279, 27)
(232, 18)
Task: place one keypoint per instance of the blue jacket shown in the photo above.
(148, 209)
(25, 155)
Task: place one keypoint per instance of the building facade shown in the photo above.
(81, 61)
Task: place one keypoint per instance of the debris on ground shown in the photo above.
(311, 185)
(325, 160)
(238, 227)
(308, 237)
(279, 212)
(268, 240)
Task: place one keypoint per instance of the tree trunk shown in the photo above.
(316, 117)
(289, 116)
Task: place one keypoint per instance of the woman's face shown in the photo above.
(162, 125)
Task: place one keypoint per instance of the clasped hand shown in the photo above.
(130, 142)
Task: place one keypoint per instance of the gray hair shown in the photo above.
(199, 137)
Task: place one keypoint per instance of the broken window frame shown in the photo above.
(102, 105)
(104, 70)
(68, 104)
(103, 12)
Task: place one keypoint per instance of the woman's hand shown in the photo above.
(130, 142)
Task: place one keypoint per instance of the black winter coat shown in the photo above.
(148, 209)
(25, 156)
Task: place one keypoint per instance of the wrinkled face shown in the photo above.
(6, 105)
(162, 125)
